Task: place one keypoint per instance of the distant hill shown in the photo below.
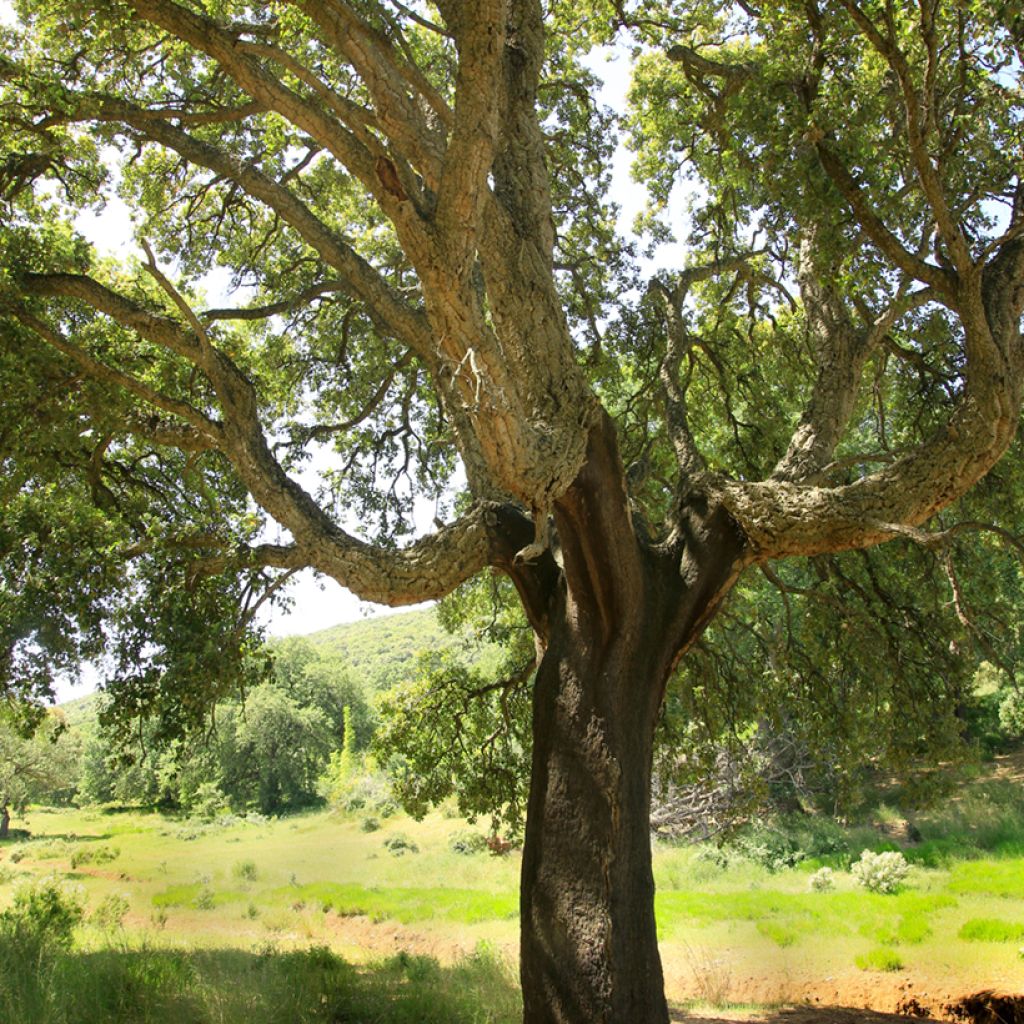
(383, 651)
(81, 711)
(380, 653)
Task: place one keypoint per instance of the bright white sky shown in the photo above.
(320, 603)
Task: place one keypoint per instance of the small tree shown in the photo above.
(30, 767)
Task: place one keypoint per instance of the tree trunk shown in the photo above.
(589, 945)
(5, 821)
(618, 618)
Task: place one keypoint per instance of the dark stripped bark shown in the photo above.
(619, 620)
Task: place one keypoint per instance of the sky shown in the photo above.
(317, 603)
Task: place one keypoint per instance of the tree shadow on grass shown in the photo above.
(264, 986)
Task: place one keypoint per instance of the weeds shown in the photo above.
(712, 975)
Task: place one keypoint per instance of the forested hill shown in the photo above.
(377, 653)
(383, 651)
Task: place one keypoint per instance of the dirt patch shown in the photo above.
(792, 1015)
(853, 998)
(987, 1008)
(1009, 767)
(981, 1008)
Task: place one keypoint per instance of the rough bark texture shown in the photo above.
(618, 620)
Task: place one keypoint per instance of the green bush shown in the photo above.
(467, 842)
(823, 880)
(246, 870)
(1011, 713)
(205, 899)
(110, 913)
(369, 824)
(399, 844)
(44, 913)
(93, 854)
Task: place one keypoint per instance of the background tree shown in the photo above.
(32, 768)
(412, 204)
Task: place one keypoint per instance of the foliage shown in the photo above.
(35, 768)
(454, 730)
(1011, 713)
(823, 880)
(110, 913)
(94, 853)
(880, 872)
(430, 299)
(43, 914)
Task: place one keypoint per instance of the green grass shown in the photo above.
(996, 878)
(198, 895)
(267, 986)
(991, 929)
(465, 906)
(879, 959)
(240, 884)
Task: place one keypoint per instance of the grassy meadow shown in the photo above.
(322, 917)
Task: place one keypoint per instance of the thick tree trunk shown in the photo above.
(589, 945)
(5, 821)
(617, 618)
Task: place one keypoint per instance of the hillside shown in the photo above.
(383, 651)
(380, 652)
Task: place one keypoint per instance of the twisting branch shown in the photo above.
(942, 280)
(964, 616)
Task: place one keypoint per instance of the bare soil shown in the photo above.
(853, 998)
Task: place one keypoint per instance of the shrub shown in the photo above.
(208, 802)
(98, 854)
(467, 842)
(369, 824)
(245, 870)
(204, 899)
(823, 880)
(400, 844)
(44, 914)
(110, 913)
(1011, 713)
(880, 872)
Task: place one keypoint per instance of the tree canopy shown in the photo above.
(431, 298)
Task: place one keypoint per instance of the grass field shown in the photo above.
(316, 899)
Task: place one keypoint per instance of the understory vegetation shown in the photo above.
(120, 915)
(270, 870)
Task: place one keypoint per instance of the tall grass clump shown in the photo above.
(991, 929)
